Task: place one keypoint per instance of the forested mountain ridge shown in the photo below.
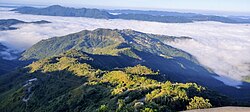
(113, 70)
(120, 70)
(156, 16)
(106, 41)
(71, 82)
(129, 48)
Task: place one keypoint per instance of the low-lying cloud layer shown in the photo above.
(225, 48)
(8, 55)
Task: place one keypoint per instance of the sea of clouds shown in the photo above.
(224, 48)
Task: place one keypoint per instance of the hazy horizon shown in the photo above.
(200, 11)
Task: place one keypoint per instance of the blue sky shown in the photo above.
(218, 5)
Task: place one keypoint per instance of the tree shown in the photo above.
(103, 108)
(121, 104)
(198, 103)
(139, 70)
(148, 110)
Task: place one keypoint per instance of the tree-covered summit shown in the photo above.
(105, 41)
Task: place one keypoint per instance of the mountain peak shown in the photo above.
(55, 6)
(106, 42)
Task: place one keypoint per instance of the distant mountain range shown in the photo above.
(156, 16)
(6, 24)
(57, 10)
(151, 12)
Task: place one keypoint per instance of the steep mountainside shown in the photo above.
(120, 48)
(113, 70)
(106, 41)
(72, 81)
(157, 16)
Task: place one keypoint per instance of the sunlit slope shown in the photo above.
(72, 82)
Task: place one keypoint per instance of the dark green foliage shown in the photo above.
(67, 83)
(103, 108)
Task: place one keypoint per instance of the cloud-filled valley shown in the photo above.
(224, 48)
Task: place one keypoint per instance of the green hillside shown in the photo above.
(105, 41)
(68, 82)
(114, 49)
(108, 70)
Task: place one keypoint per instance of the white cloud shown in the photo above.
(225, 48)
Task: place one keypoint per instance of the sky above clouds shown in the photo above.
(218, 5)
